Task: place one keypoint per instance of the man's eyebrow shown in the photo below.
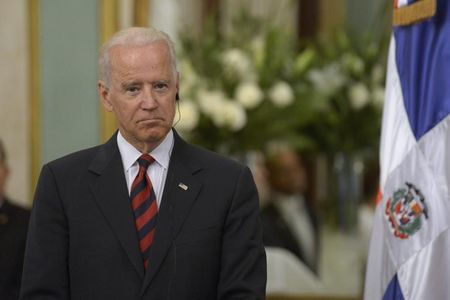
(130, 83)
(161, 81)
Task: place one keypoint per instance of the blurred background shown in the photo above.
(293, 88)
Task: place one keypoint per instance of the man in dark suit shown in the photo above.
(288, 220)
(104, 225)
(13, 232)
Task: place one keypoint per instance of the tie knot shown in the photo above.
(145, 160)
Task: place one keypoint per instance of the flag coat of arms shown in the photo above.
(409, 256)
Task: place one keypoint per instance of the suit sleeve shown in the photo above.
(45, 273)
(243, 263)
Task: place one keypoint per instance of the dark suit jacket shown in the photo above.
(277, 233)
(13, 233)
(82, 242)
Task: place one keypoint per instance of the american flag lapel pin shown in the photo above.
(183, 186)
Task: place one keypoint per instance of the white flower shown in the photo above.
(359, 95)
(328, 79)
(233, 115)
(222, 111)
(378, 96)
(188, 77)
(237, 63)
(188, 115)
(210, 101)
(281, 94)
(248, 94)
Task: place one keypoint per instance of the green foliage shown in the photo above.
(348, 84)
(253, 84)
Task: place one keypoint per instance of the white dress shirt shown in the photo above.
(294, 211)
(157, 171)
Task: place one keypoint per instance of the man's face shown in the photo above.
(143, 85)
(288, 174)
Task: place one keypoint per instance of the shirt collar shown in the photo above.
(130, 154)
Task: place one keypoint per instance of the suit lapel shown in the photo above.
(111, 194)
(180, 192)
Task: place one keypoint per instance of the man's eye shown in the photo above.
(132, 89)
(160, 86)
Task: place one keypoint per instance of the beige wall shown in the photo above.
(14, 106)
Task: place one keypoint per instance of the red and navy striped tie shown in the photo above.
(145, 209)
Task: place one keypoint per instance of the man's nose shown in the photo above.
(148, 99)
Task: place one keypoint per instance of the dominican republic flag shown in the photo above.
(409, 256)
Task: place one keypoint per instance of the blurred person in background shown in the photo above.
(257, 164)
(13, 231)
(289, 221)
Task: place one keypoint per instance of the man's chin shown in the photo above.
(154, 135)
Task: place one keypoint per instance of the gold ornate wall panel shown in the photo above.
(141, 12)
(108, 25)
(35, 91)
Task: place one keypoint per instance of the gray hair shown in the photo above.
(133, 36)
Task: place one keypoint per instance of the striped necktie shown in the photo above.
(145, 209)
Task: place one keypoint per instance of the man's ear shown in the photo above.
(103, 92)
(177, 85)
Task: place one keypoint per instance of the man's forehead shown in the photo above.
(137, 56)
(155, 46)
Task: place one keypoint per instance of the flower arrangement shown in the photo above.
(347, 84)
(241, 90)
(348, 81)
